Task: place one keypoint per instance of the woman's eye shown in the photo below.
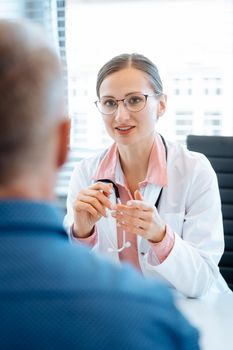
(134, 100)
(109, 103)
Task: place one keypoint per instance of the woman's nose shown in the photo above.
(121, 113)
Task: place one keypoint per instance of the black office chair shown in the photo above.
(219, 151)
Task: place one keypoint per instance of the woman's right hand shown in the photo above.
(89, 206)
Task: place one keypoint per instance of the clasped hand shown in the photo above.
(136, 217)
(140, 218)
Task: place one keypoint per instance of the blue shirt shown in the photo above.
(57, 296)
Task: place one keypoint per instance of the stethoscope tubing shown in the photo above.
(125, 244)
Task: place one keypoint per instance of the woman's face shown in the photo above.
(124, 126)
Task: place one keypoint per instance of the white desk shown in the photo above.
(213, 317)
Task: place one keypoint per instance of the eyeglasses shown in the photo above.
(133, 103)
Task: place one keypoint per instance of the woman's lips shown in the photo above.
(123, 130)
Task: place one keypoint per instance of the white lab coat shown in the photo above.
(190, 204)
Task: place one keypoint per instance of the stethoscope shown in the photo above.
(127, 244)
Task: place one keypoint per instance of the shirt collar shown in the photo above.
(109, 167)
(157, 166)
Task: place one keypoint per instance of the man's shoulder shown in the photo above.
(97, 275)
(118, 300)
(85, 300)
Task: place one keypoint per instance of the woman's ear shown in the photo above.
(162, 105)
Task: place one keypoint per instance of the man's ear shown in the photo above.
(63, 141)
(162, 105)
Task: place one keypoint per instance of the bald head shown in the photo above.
(31, 98)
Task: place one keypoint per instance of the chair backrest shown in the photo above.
(219, 151)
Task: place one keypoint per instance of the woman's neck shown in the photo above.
(134, 162)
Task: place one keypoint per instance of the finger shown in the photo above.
(82, 206)
(132, 222)
(135, 204)
(136, 218)
(93, 202)
(147, 216)
(133, 229)
(101, 186)
(138, 195)
(95, 194)
(130, 211)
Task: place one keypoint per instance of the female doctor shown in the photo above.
(145, 200)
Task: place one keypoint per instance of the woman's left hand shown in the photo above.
(140, 218)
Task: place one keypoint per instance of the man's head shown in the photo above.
(33, 130)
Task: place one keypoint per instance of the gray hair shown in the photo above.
(30, 96)
(133, 60)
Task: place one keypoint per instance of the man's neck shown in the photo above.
(31, 188)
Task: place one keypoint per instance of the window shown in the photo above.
(183, 124)
(183, 86)
(194, 61)
(213, 86)
(212, 123)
